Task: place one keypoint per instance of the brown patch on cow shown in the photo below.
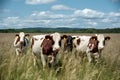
(107, 38)
(18, 38)
(78, 41)
(48, 37)
(93, 38)
(47, 45)
(93, 43)
(32, 42)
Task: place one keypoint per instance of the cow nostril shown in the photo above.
(21, 42)
(56, 49)
(69, 43)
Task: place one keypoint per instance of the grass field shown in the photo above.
(72, 68)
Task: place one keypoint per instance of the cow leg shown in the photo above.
(17, 52)
(24, 51)
(35, 58)
(89, 56)
(43, 60)
(55, 60)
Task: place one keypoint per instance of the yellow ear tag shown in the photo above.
(16, 36)
(64, 38)
(48, 39)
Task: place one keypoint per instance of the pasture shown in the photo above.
(69, 67)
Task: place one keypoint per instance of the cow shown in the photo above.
(46, 47)
(67, 43)
(21, 43)
(91, 45)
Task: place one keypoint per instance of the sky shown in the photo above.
(100, 14)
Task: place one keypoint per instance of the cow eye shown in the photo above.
(53, 42)
(97, 42)
(104, 42)
(60, 42)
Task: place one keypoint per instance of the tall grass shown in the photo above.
(69, 66)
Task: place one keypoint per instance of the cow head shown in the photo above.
(93, 44)
(76, 40)
(67, 42)
(102, 40)
(56, 38)
(63, 41)
(21, 37)
(47, 45)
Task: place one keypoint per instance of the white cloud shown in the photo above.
(106, 20)
(114, 14)
(88, 13)
(42, 13)
(61, 7)
(111, 18)
(11, 20)
(34, 2)
(86, 18)
(46, 14)
(93, 23)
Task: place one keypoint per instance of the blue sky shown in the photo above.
(59, 13)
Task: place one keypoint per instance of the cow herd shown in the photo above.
(47, 46)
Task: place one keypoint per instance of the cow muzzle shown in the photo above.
(21, 42)
(56, 49)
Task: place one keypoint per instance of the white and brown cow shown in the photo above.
(46, 47)
(91, 45)
(21, 42)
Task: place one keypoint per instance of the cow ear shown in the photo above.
(107, 38)
(27, 35)
(17, 35)
(73, 38)
(63, 36)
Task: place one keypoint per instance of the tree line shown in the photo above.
(61, 30)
